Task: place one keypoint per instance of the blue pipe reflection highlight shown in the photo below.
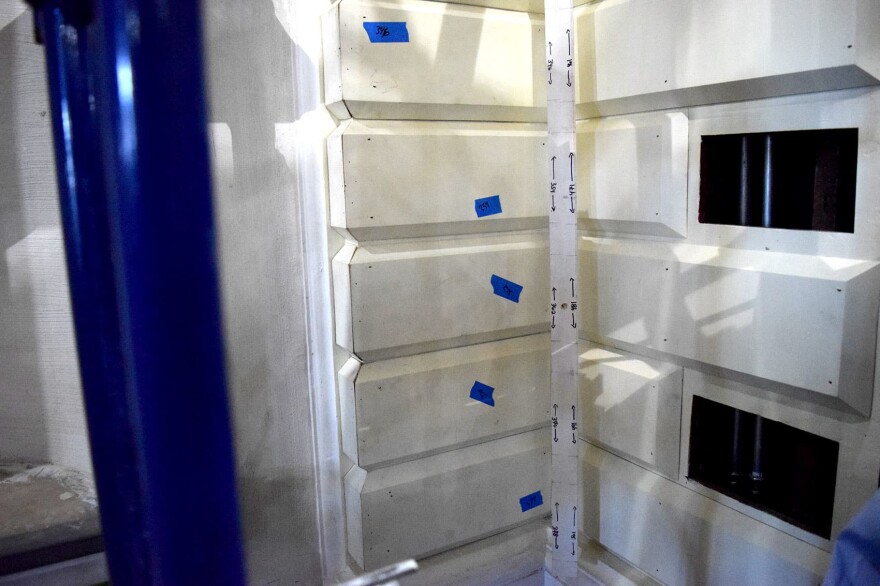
(84, 217)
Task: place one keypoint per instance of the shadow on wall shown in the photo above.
(41, 412)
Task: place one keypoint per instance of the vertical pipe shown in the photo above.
(767, 210)
(155, 152)
(757, 475)
(129, 121)
(90, 272)
(744, 174)
(736, 455)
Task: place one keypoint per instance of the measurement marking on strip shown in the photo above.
(562, 563)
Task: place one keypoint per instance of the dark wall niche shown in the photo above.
(765, 464)
(800, 180)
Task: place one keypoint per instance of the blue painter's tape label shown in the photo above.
(483, 393)
(506, 289)
(387, 32)
(530, 501)
(488, 206)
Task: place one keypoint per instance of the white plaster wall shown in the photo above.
(631, 405)
(758, 322)
(632, 174)
(678, 536)
(800, 320)
(410, 407)
(41, 412)
(433, 504)
(399, 179)
(460, 63)
(251, 61)
(418, 295)
(630, 60)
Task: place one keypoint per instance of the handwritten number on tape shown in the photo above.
(387, 32)
(507, 289)
(530, 501)
(483, 393)
(488, 206)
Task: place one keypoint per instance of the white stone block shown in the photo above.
(801, 320)
(632, 174)
(854, 108)
(401, 298)
(409, 407)
(631, 405)
(639, 55)
(393, 179)
(858, 440)
(459, 63)
(680, 537)
(425, 506)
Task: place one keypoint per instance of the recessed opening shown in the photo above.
(768, 465)
(799, 180)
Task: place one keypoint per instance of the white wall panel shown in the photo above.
(393, 179)
(637, 55)
(408, 297)
(631, 405)
(802, 320)
(858, 439)
(632, 174)
(681, 537)
(460, 63)
(422, 507)
(854, 108)
(409, 407)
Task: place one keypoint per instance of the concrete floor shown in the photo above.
(43, 506)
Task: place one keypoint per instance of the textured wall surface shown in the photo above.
(41, 414)
(251, 94)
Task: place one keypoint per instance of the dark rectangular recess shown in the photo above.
(799, 180)
(779, 469)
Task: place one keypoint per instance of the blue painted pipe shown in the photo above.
(128, 110)
(92, 290)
